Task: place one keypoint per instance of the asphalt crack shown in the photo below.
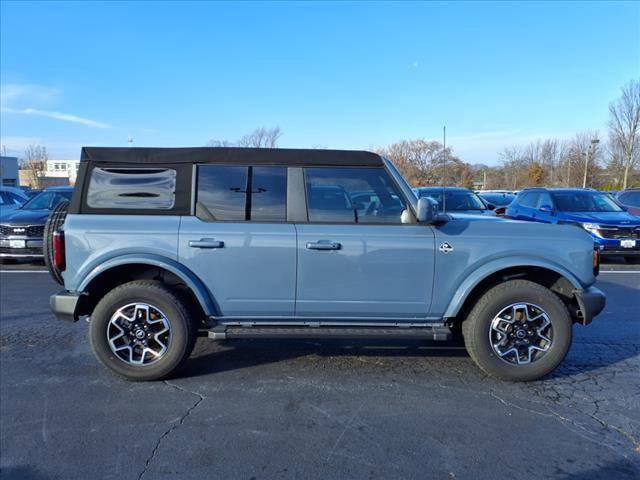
(173, 427)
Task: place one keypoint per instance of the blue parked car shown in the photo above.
(458, 200)
(616, 231)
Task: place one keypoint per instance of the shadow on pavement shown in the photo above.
(239, 354)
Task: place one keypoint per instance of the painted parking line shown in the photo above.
(619, 271)
(24, 271)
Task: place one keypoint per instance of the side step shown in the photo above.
(235, 332)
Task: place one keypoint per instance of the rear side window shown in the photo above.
(352, 195)
(132, 188)
(234, 193)
(529, 199)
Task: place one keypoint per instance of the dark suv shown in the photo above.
(22, 229)
(615, 231)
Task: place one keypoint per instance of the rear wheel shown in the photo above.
(54, 223)
(518, 331)
(142, 331)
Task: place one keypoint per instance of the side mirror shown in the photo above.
(427, 210)
(545, 208)
(491, 206)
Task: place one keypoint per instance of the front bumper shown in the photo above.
(613, 246)
(591, 302)
(30, 247)
(64, 305)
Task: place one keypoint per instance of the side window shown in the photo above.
(529, 199)
(352, 195)
(242, 193)
(544, 199)
(132, 188)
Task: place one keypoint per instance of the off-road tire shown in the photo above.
(477, 325)
(183, 329)
(53, 224)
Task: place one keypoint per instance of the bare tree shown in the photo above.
(35, 162)
(624, 126)
(260, 138)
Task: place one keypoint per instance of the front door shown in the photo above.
(239, 243)
(356, 260)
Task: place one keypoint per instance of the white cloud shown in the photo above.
(65, 117)
(11, 92)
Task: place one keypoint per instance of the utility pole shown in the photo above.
(594, 142)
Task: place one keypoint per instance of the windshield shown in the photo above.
(498, 199)
(585, 202)
(455, 200)
(47, 200)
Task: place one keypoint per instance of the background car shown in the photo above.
(21, 229)
(630, 199)
(499, 200)
(11, 198)
(615, 231)
(456, 199)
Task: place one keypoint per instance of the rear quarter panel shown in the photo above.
(91, 240)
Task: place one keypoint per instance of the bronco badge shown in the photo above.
(445, 247)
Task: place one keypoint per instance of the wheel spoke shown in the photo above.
(146, 324)
(521, 333)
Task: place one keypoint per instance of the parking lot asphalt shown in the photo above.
(323, 409)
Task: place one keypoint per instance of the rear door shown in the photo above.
(526, 206)
(238, 242)
(357, 261)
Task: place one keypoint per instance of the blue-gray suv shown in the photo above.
(159, 246)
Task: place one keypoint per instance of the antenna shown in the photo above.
(130, 140)
(444, 167)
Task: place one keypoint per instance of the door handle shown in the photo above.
(323, 245)
(206, 243)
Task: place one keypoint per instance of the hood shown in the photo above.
(618, 219)
(7, 208)
(25, 217)
(475, 215)
(471, 213)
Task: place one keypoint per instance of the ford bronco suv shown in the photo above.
(161, 245)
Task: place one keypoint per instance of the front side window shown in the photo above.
(234, 193)
(352, 195)
(132, 188)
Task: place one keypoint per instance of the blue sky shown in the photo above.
(337, 75)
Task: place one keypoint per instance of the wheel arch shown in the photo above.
(551, 276)
(122, 269)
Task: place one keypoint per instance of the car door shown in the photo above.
(359, 262)
(526, 207)
(238, 242)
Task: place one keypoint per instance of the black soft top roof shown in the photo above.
(230, 155)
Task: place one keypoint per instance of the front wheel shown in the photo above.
(142, 331)
(518, 331)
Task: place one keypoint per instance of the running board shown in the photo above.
(234, 332)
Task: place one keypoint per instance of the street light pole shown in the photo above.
(594, 142)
